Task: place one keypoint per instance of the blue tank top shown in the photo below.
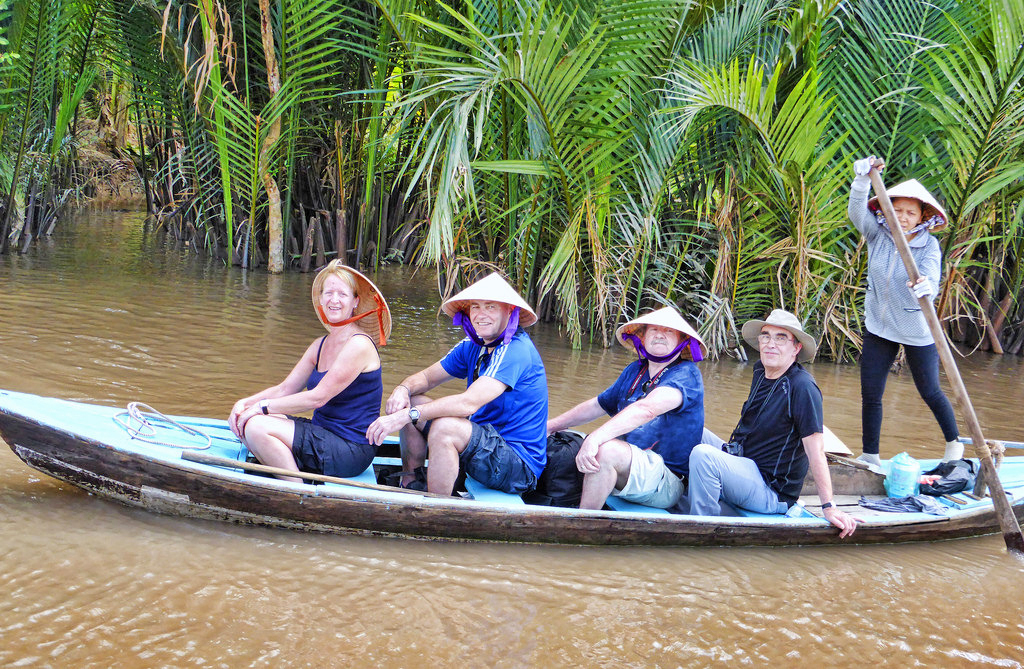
(349, 413)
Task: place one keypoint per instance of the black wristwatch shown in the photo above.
(827, 505)
(414, 415)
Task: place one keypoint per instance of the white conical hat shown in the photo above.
(378, 325)
(914, 190)
(491, 288)
(666, 317)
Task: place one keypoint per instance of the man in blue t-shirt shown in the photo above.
(495, 429)
(657, 416)
(780, 433)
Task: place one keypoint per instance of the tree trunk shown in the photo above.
(275, 224)
(1002, 308)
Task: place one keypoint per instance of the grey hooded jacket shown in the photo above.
(891, 310)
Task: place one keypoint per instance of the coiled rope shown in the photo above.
(138, 426)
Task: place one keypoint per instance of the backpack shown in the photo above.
(561, 483)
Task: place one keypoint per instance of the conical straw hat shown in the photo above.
(491, 288)
(666, 317)
(914, 190)
(378, 323)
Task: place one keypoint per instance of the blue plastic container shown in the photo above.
(903, 476)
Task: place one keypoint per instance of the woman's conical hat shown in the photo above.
(371, 301)
(913, 189)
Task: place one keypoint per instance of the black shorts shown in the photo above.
(320, 451)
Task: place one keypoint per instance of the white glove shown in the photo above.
(863, 166)
(923, 288)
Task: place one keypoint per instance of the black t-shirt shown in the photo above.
(777, 415)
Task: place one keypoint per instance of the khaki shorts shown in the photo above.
(650, 482)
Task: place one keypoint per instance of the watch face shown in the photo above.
(414, 414)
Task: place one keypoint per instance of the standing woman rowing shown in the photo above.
(893, 315)
(338, 378)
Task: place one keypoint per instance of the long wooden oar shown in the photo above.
(217, 461)
(1004, 513)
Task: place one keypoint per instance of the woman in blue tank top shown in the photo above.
(338, 378)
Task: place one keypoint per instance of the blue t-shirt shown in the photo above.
(673, 434)
(520, 414)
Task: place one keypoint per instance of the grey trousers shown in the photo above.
(714, 475)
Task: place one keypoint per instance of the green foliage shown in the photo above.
(607, 155)
(763, 107)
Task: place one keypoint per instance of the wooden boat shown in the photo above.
(88, 446)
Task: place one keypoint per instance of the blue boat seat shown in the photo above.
(620, 504)
(367, 476)
(796, 512)
(482, 493)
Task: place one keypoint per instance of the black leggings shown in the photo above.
(875, 361)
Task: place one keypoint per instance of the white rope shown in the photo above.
(138, 426)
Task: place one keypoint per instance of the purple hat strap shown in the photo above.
(513, 325)
(461, 318)
(641, 351)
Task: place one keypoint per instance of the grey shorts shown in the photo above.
(491, 461)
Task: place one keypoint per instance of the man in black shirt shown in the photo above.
(780, 433)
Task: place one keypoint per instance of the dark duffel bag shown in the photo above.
(561, 483)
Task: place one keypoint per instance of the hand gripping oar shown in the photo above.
(216, 461)
(1004, 513)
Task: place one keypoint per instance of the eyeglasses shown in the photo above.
(779, 338)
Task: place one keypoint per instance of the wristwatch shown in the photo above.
(414, 415)
(828, 505)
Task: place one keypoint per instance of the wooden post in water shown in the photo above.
(1004, 512)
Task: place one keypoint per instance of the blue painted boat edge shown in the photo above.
(57, 413)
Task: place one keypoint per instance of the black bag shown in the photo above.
(957, 475)
(561, 483)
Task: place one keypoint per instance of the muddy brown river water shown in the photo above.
(104, 312)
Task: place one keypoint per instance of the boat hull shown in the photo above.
(163, 482)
